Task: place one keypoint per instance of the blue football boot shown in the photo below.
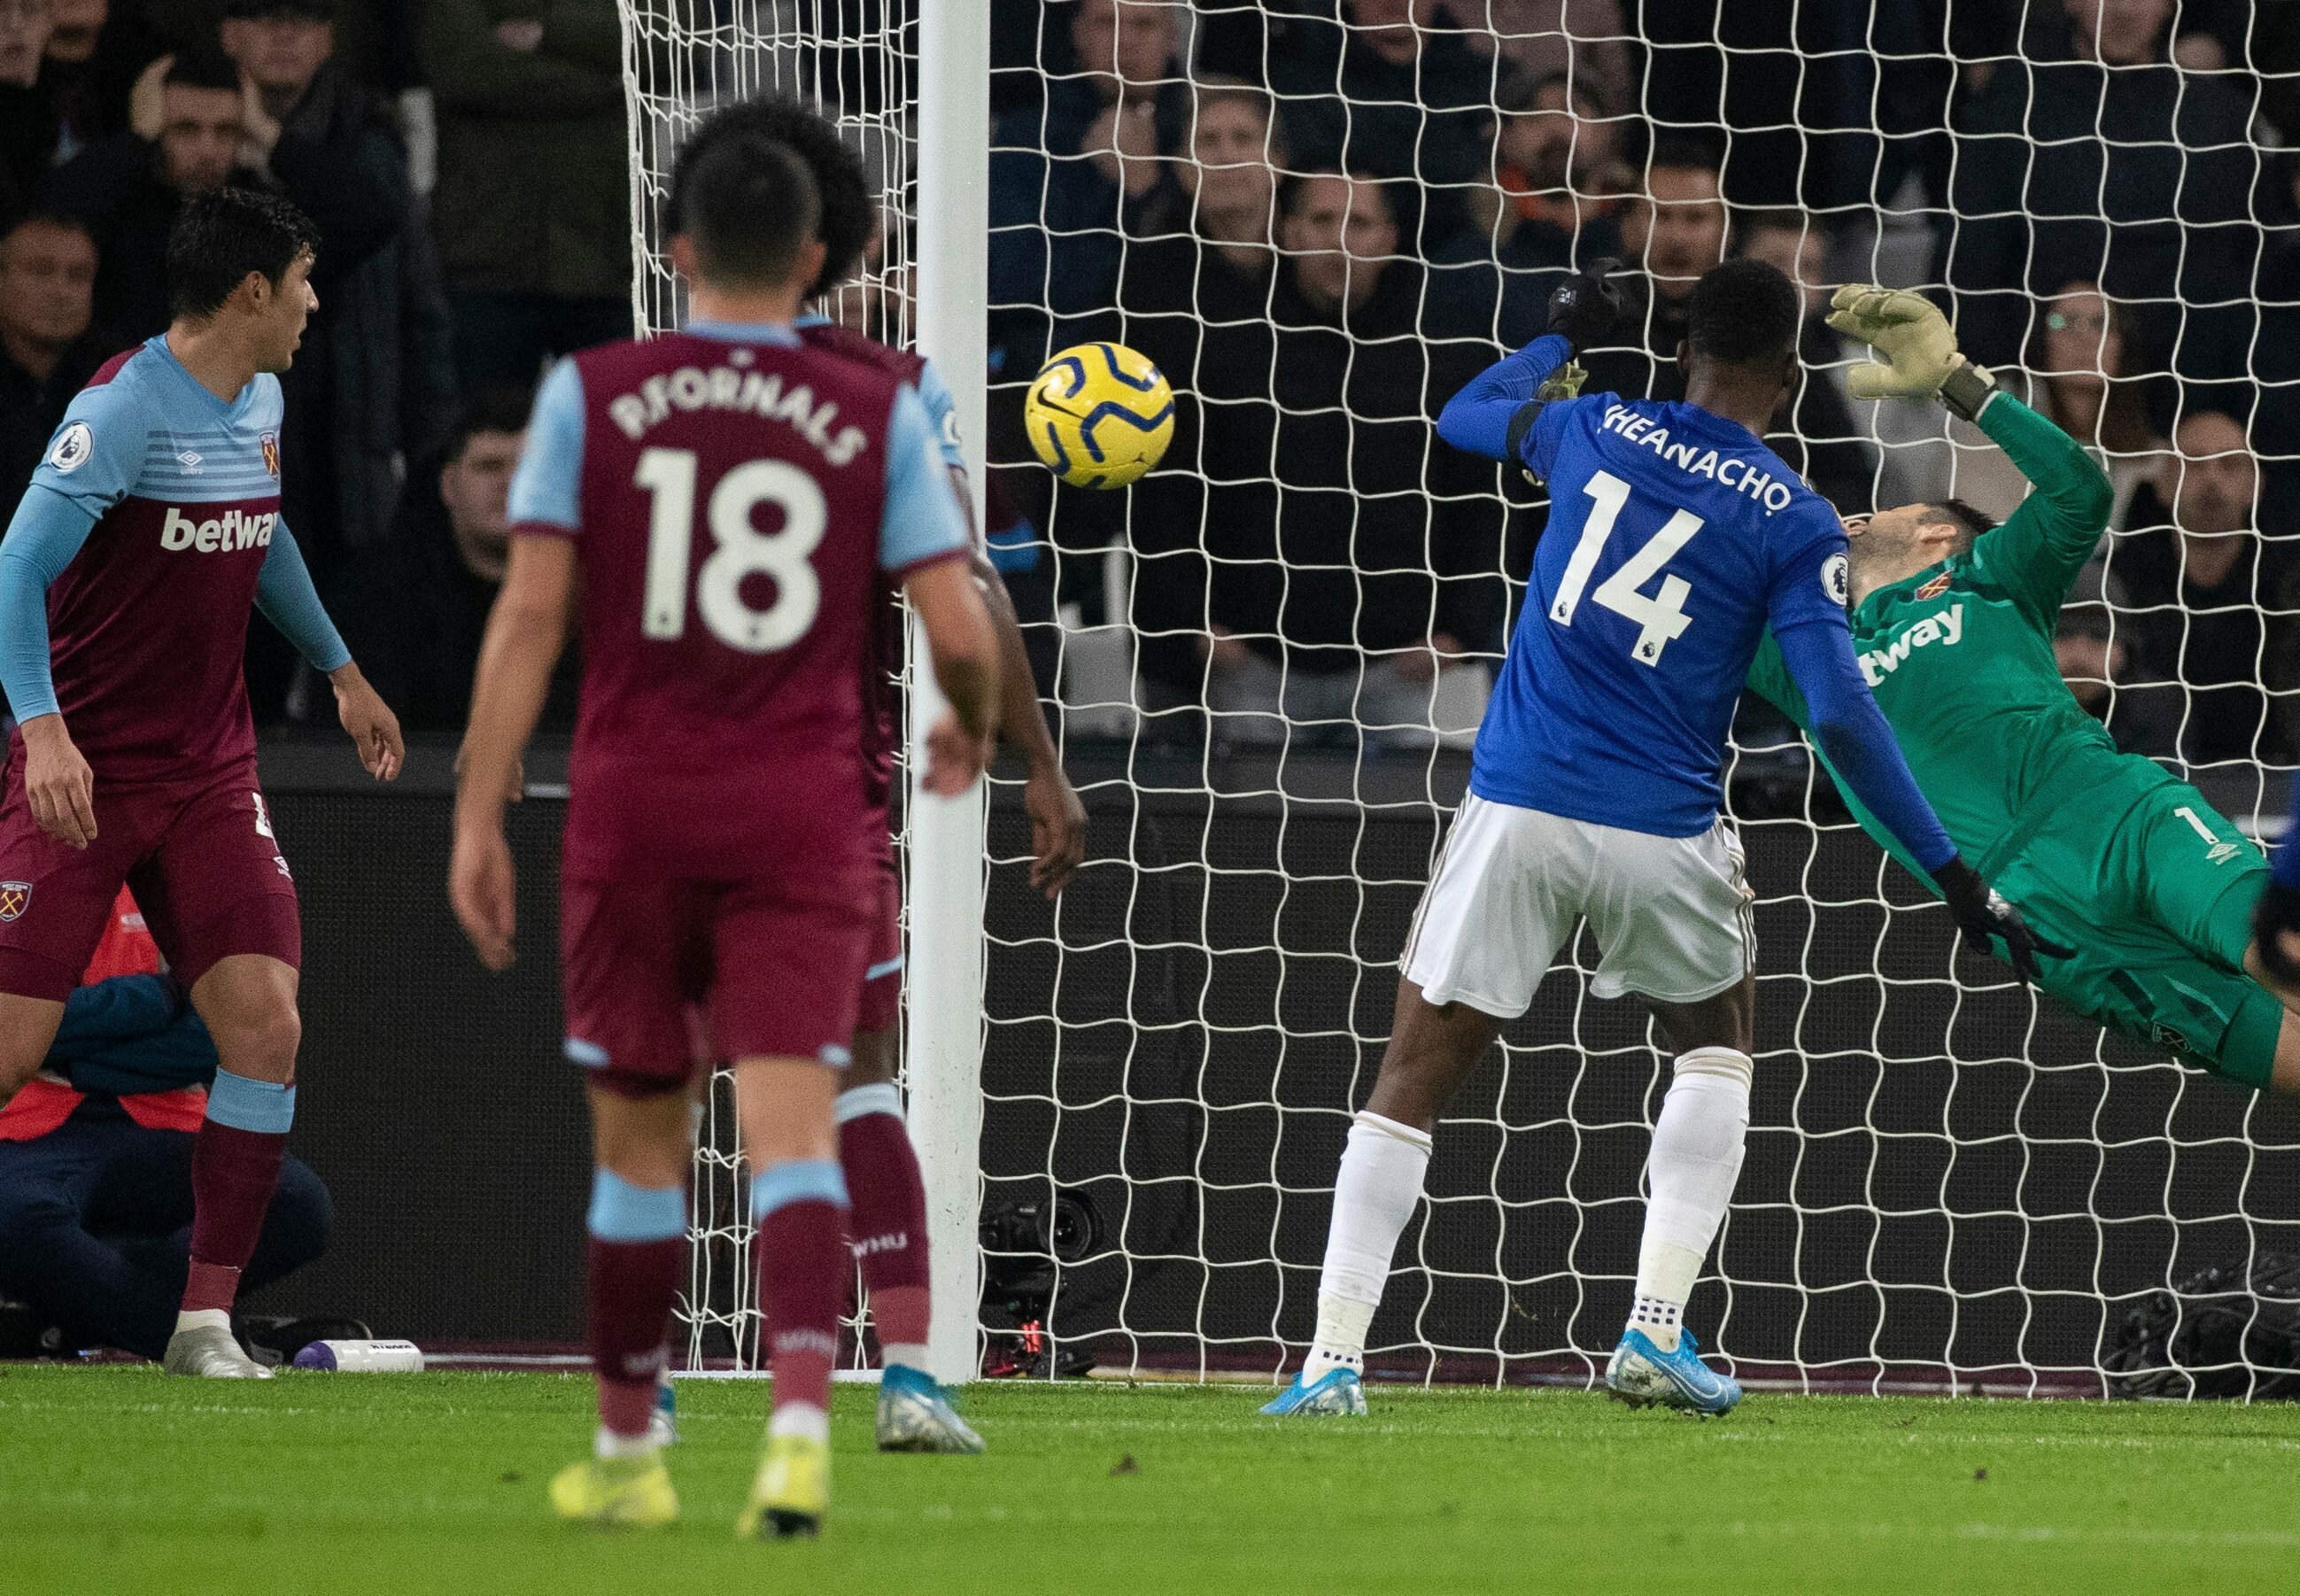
(663, 1423)
(1642, 1375)
(1337, 1391)
(915, 1415)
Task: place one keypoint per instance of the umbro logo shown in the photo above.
(190, 461)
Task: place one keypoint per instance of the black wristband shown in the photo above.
(1967, 390)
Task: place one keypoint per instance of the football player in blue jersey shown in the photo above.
(1675, 539)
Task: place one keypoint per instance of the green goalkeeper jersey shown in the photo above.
(1960, 657)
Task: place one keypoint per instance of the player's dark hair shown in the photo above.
(848, 211)
(222, 236)
(1973, 521)
(205, 65)
(1743, 312)
(748, 204)
(502, 408)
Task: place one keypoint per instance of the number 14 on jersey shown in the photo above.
(1659, 617)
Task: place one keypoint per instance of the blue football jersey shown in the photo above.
(1675, 536)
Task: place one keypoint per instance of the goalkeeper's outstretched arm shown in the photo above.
(2036, 554)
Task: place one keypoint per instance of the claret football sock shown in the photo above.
(1698, 1145)
(638, 1253)
(888, 1218)
(235, 1171)
(799, 1246)
(1380, 1180)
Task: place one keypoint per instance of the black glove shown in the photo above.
(1981, 913)
(2278, 912)
(1585, 306)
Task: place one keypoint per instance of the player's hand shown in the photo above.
(374, 729)
(1908, 330)
(481, 885)
(1057, 828)
(2274, 956)
(58, 782)
(956, 758)
(1585, 306)
(1981, 913)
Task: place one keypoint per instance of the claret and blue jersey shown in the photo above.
(1675, 539)
(128, 569)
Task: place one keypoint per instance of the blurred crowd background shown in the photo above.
(1319, 217)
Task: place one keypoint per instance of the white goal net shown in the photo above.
(1267, 657)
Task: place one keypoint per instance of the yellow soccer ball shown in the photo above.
(1099, 415)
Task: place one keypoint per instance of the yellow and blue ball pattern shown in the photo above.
(1099, 415)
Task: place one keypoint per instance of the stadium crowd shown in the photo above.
(1319, 217)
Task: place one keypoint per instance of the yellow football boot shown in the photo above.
(629, 1492)
(791, 1491)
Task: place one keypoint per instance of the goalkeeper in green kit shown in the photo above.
(2106, 852)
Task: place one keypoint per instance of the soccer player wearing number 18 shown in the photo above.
(730, 499)
(1674, 538)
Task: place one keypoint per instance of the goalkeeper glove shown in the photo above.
(1585, 306)
(2278, 912)
(1981, 913)
(1918, 346)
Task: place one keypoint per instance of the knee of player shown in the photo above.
(17, 1064)
(260, 1039)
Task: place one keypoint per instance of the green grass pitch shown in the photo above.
(119, 1480)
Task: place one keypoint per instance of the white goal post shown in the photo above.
(1129, 1106)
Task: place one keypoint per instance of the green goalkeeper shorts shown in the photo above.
(2159, 909)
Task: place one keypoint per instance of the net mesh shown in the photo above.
(1268, 657)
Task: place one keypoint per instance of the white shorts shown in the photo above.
(1672, 915)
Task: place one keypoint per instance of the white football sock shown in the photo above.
(1697, 1144)
(800, 1418)
(1374, 1194)
(891, 1353)
(202, 1318)
(606, 1444)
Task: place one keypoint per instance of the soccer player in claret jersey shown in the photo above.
(874, 1147)
(1953, 621)
(126, 579)
(1674, 538)
(729, 499)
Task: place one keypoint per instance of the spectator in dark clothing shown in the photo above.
(1069, 178)
(1197, 300)
(1340, 589)
(1670, 233)
(96, 52)
(47, 281)
(2199, 577)
(373, 386)
(128, 190)
(95, 1160)
(1813, 431)
(2104, 160)
(533, 211)
(416, 608)
(1389, 87)
(1559, 180)
(28, 120)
